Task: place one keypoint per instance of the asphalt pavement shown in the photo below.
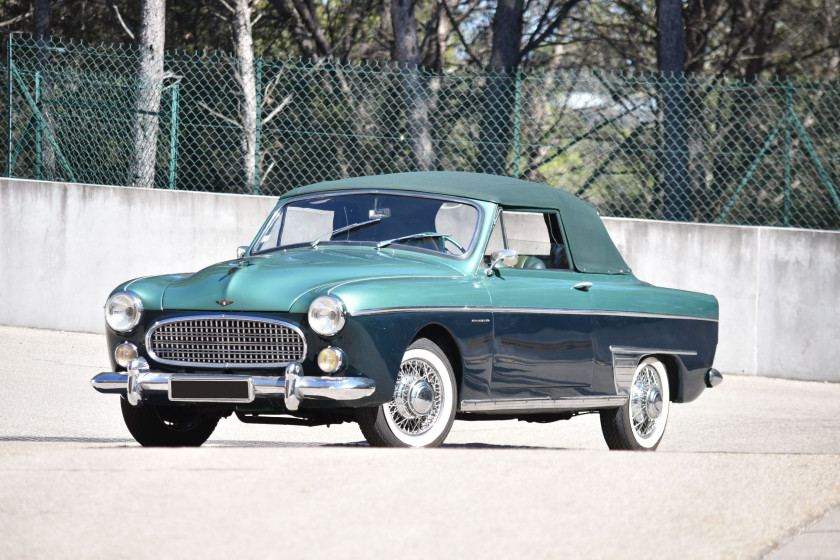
(749, 470)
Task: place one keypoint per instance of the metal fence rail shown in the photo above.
(762, 154)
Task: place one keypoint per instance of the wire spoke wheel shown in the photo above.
(640, 423)
(422, 409)
(417, 397)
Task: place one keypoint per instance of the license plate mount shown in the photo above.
(211, 389)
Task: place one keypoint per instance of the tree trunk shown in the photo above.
(149, 85)
(407, 55)
(243, 48)
(674, 121)
(495, 126)
(700, 17)
(46, 163)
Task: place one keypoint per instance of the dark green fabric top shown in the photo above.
(590, 244)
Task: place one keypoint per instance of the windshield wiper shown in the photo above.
(343, 229)
(426, 235)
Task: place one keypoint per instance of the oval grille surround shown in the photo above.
(225, 341)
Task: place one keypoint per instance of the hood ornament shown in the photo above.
(224, 302)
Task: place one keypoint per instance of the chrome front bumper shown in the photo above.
(139, 383)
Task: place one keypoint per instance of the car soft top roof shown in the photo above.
(591, 246)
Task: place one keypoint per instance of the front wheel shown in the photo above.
(168, 426)
(423, 408)
(640, 423)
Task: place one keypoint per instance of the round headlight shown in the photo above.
(326, 315)
(122, 311)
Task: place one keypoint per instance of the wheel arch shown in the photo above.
(441, 336)
(674, 368)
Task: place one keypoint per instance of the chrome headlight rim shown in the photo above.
(129, 300)
(336, 310)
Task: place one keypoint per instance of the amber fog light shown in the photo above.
(124, 353)
(330, 360)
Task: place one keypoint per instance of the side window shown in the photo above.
(537, 238)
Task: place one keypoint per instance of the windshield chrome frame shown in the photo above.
(470, 247)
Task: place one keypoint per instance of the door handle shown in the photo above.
(583, 286)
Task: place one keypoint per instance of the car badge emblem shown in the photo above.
(224, 302)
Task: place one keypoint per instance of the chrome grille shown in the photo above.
(225, 342)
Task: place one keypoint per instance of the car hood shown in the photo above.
(274, 282)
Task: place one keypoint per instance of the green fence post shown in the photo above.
(36, 114)
(39, 132)
(9, 101)
(173, 135)
(788, 111)
(517, 107)
(257, 123)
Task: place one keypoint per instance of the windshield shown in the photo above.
(381, 220)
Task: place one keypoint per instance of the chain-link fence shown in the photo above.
(636, 145)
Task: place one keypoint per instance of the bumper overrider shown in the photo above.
(139, 383)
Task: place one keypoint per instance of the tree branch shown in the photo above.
(219, 115)
(125, 27)
(289, 97)
(537, 40)
(460, 36)
(228, 6)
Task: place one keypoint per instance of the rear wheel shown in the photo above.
(640, 423)
(423, 408)
(168, 426)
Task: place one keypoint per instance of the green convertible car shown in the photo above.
(403, 302)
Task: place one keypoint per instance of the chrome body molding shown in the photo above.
(530, 310)
(627, 358)
(222, 316)
(139, 383)
(543, 404)
(636, 350)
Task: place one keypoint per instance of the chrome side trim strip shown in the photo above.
(533, 310)
(545, 404)
(391, 277)
(626, 359)
(157, 324)
(635, 350)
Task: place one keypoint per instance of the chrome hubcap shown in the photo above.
(417, 397)
(654, 403)
(646, 401)
(421, 398)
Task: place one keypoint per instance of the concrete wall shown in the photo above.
(778, 289)
(64, 247)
